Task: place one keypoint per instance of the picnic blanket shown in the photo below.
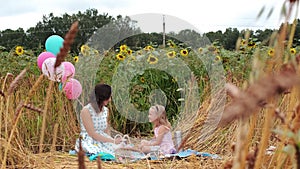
(189, 152)
(135, 155)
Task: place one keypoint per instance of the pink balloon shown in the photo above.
(69, 71)
(48, 70)
(72, 89)
(42, 57)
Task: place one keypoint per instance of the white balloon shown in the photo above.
(48, 70)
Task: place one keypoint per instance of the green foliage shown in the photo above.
(12, 63)
(90, 21)
(10, 38)
(139, 82)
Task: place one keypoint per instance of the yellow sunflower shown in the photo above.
(218, 58)
(133, 57)
(243, 42)
(142, 79)
(172, 44)
(129, 52)
(96, 52)
(84, 49)
(123, 48)
(293, 51)
(76, 58)
(120, 57)
(271, 52)
(184, 52)
(148, 48)
(200, 50)
(171, 54)
(19, 50)
(251, 44)
(152, 59)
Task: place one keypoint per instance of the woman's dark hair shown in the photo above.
(101, 93)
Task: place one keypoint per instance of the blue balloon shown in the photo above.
(54, 43)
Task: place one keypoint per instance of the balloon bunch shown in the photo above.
(64, 73)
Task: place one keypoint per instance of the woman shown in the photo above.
(93, 123)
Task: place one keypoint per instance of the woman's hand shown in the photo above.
(118, 140)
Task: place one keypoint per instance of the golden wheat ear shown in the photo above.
(15, 82)
(32, 107)
(69, 39)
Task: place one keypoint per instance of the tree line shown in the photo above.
(91, 20)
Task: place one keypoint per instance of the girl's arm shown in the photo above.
(161, 132)
(89, 126)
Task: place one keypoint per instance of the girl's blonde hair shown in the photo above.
(161, 115)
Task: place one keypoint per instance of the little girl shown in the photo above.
(162, 134)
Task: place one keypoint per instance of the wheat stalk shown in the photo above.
(48, 100)
(54, 137)
(241, 146)
(290, 123)
(68, 40)
(35, 86)
(81, 155)
(296, 120)
(99, 164)
(5, 79)
(1, 101)
(7, 148)
(266, 132)
(2, 93)
(18, 110)
(256, 95)
(1, 105)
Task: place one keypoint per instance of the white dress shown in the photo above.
(89, 145)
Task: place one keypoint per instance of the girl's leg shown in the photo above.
(146, 149)
(145, 143)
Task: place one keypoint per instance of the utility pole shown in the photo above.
(164, 32)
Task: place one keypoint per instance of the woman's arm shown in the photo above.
(107, 130)
(161, 132)
(89, 126)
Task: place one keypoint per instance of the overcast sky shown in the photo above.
(204, 15)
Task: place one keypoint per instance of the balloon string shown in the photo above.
(79, 102)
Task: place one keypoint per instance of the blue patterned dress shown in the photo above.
(90, 145)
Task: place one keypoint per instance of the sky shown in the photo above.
(203, 16)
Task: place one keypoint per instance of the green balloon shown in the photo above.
(54, 43)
